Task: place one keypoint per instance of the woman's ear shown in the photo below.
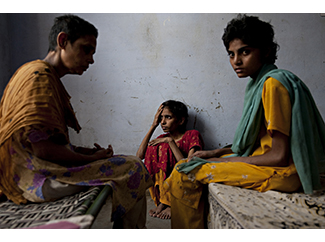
(182, 121)
(267, 53)
(62, 40)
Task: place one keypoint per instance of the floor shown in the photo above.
(103, 218)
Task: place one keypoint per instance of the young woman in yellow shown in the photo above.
(279, 142)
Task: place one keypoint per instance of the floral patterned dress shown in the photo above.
(36, 106)
(160, 162)
(125, 174)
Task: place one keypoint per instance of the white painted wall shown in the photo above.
(145, 59)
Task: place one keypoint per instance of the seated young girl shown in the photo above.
(162, 153)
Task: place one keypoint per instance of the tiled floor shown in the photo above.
(103, 218)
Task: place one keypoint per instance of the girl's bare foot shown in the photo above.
(157, 210)
(165, 214)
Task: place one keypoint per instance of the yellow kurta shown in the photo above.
(35, 106)
(186, 189)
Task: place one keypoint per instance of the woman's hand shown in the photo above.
(214, 154)
(160, 140)
(145, 142)
(101, 153)
(156, 120)
(204, 154)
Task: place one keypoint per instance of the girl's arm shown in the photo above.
(62, 155)
(176, 151)
(278, 156)
(144, 144)
(206, 154)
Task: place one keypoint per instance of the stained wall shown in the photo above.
(145, 59)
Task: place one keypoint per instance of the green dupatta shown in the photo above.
(307, 134)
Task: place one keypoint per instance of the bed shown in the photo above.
(77, 211)
(237, 208)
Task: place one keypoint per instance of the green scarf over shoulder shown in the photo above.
(307, 133)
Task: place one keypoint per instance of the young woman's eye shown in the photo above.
(86, 50)
(246, 52)
(230, 54)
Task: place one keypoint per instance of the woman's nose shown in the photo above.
(237, 60)
(91, 60)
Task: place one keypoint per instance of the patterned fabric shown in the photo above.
(14, 216)
(234, 208)
(161, 157)
(307, 131)
(188, 187)
(160, 161)
(125, 174)
(36, 107)
(34, 95)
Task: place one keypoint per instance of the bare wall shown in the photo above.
(145, 59)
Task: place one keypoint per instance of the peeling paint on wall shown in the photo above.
(145, 59)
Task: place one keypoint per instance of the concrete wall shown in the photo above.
(145, 59)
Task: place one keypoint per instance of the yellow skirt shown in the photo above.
(188, 204)
(158, 192)
(188, 187)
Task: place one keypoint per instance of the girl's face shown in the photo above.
(245, 60)
(168, 121)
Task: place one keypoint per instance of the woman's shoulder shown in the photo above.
(163, 135)
(36, 66)
(192, 132)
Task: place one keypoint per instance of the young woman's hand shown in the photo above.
(204, 154)
(156, 120)
(101, 153)
(160, 140)
(145, 142)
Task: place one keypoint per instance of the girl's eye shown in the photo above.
(230, 54)
(246, 52)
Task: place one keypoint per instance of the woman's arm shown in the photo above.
(278, 156)
(62, 155)
(88, 151)
(176, 151)
(172, 144)
(206, 154)
(143, 146)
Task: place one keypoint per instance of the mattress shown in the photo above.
(237, 208)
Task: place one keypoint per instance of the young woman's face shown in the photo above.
(169, 122)
(245, 60)
(78, 56)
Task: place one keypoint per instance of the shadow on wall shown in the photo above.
(24, 43)
(27, 43)
(197, 122)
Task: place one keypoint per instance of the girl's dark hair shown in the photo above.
(74, 26)
(253, 32)
(179, 109)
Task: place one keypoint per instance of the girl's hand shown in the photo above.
(204, 154)
(156, 120)
(160, 140)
